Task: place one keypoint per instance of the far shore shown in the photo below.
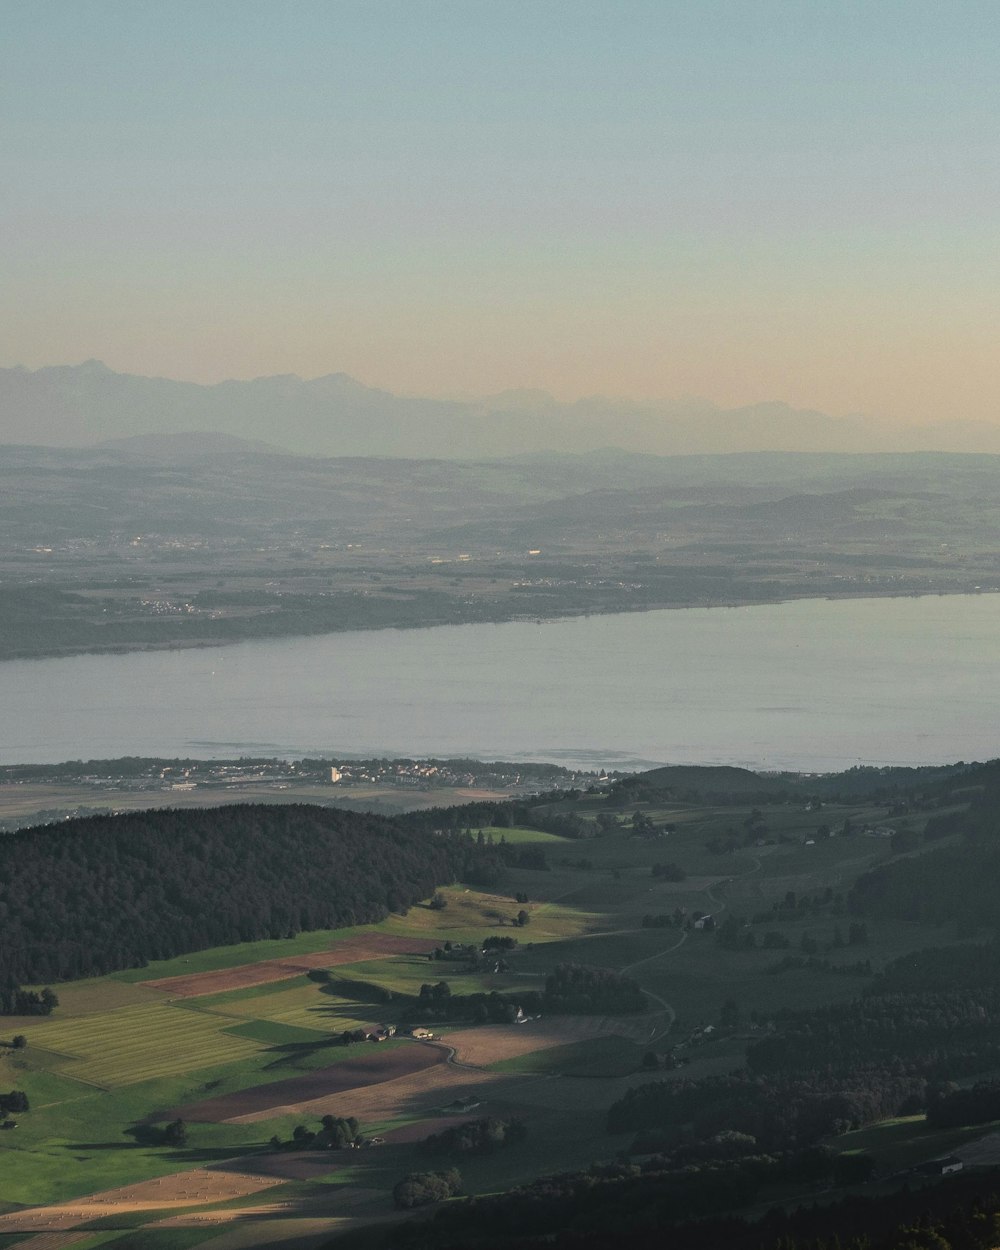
(22, 652)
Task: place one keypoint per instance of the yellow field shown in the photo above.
(137, 1043)
(303, 1005)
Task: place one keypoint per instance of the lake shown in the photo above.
(810, 685)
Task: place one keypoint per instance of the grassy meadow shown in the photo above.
(118, 1055)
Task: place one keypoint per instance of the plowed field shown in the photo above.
(180, 1189)
(351, 950)
(374, 1068)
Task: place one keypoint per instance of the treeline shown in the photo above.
(581, 990)
(953, 884)
(934, 1033)
(781, 1110)
(17, 1002)
(335, 1133)
(437, 1002)
(95, 895)
(509, 813)
(616, 1204)
(419, 1189)
(571, 989)
(956, 1107)
(15, 1100)
(831, 1069)
(476, 1137)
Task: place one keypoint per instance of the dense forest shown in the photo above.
(778, 1110)
(952, 884)
(95, 895)
(829, 1069)
(620, 1204)
(933, 1029)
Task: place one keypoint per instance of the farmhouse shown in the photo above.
(421, 1033)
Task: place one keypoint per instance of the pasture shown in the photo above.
(239, 1041)
(132, 1044)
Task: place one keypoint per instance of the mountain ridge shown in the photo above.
(337, 415)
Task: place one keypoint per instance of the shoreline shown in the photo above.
(205, 644)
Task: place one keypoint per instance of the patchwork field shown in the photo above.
(133, 1044)
(197, 1186)
(383, 1063)
(348, 950)
(242, 1042)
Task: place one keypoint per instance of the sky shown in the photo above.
(744, 200)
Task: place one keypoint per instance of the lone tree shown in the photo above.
(175, 1133)
(420, 1188)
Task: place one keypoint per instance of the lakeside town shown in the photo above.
(42, 793)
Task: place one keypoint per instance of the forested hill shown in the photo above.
(95, 895)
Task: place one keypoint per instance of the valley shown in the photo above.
(728, 897)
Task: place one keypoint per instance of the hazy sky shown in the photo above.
(742, 199)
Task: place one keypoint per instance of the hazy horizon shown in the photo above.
(783, 201)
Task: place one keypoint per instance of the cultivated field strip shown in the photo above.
(139, 1043)
(306, 1006)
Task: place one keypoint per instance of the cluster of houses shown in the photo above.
(380, 1033)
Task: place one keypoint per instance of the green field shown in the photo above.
(235, 956)
(117, 1053)
(518, 836)
(138, 1043)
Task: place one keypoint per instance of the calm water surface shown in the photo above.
(815, 684)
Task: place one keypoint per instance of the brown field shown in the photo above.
(180, 1189)
(350, 950)
(54, 1241)
(292, 1166)
(273, 1227)
(339, 1199)
(480, 1047)
(418, 1094)
(419, 1091)
(416, 1131)
(283, 1097)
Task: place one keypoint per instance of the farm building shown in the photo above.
(940, 1167)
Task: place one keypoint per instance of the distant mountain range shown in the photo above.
(89, 404)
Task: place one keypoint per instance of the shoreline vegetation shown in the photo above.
(12, 652)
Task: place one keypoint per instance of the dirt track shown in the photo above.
(349, 950)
